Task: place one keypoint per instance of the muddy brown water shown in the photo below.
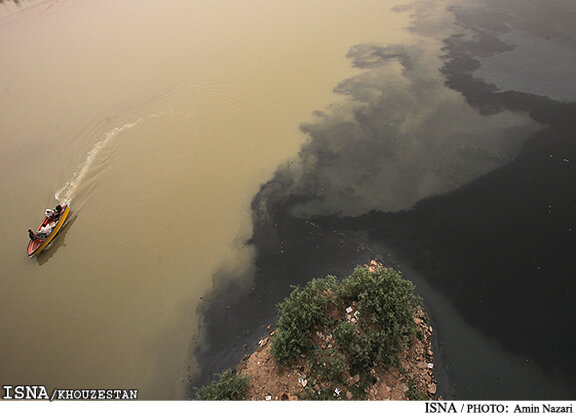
(157, 121)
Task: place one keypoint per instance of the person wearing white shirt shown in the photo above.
(54, 214)
(45, 231)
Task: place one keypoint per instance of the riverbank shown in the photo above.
(364, 338)
(413, 379)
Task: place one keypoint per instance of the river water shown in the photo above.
(214, 153)
(157, 121)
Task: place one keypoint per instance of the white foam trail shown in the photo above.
(68, 191)
(65, 194)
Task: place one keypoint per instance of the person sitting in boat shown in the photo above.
(58, 212)
(45, 231)
(54, 214)
(31, 234)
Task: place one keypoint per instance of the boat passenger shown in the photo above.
(45, 231)
(31, 234)
(54, 214)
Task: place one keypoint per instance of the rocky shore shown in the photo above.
(412, 379)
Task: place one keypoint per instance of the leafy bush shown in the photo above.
(301, 311)
(385, 303)
(328, 373)
(230, 386)
(384, 296)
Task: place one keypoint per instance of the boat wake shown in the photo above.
(65, 194)
(84, 174)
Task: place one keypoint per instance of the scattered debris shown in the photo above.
(263, 342)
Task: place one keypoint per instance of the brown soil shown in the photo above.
(415, 373)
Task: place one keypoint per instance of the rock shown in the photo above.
(430, 352)
(432, 389)
(421, 365)
(385, 393)
(349, 395)
(355, 379)
(418, 320)
(288, 397)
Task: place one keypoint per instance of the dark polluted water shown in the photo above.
(466, 186)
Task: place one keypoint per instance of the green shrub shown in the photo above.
(330, 366)
(386, 305)
(345, 332)
(301, 311)
(327, 374)
(229, 386)
(385, 296)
